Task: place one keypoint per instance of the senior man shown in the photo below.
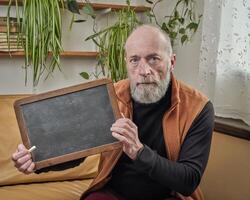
(166, 132)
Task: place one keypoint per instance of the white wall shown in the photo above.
(12, 73)
(188, 55)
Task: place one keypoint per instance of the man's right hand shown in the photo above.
(22, 159)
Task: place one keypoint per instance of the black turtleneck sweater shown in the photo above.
(152, 176)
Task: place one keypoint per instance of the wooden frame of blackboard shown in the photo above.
(61, 92)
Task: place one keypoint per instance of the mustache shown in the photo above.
(147, 80)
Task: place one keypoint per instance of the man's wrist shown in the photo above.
(139, 152)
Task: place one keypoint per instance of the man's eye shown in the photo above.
(153, 60)
(134, 61)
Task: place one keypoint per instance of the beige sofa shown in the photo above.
(227, 176)
(67, 184)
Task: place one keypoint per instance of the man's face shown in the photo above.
(148, 65)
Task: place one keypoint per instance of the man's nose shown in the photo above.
(145, 69)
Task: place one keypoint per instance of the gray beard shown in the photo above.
(152, 93)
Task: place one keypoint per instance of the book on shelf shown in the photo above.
(11, 35)
(10, 41)
(5, 45)
(11, 50)
(13, 25)
(12, 29)
(13, 38)
(12, 20)
(11, 47)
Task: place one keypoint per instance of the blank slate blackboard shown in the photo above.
(69, 123)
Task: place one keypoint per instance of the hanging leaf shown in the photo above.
(186, 2)
(184, 39)
(148, 1)
(73, 6)
(182, 30)
(173, 35)
(165, 28)
(186, 11)
(128, 2)
(181, 20)
(79, 20)
(85, 75)
(176, 14)
(88, 10)
(193, 26)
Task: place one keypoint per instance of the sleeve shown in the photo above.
(184, 175)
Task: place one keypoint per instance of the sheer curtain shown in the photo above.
(224, 71)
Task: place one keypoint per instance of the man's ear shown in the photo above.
(173, 61)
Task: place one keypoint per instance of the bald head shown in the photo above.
(149, 61)
(150, 35)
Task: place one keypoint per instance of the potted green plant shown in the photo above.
(110, 42)
(40, 25)
(181, 25)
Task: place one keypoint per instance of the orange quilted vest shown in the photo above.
(186, 104)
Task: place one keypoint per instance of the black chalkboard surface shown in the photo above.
(69, 123)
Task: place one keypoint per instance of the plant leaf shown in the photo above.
(181, 20)
(73, 6)
(183, 39)
(164, 27)
(176, 14)
(173, 35)
(88, 10)
(193, 26)
(182, 30)
(85, 75)
(79, 20)
(148, 1)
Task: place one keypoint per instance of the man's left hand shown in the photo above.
(126, 131)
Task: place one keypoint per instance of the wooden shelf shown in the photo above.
(96, 6)
(6, 2)
(68, 54)
(100, 6)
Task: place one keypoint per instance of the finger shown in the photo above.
(13, 157)
(25, 166)
(18, 155)
(126, 146)
(23, 160)
(126, 126)
(126, 120)
(132, 124)
(21, 147)
(120, 138)
(124, 133)
(30, 168)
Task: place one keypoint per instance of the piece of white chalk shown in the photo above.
(32, 149)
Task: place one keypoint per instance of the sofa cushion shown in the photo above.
(9, 139)
(62, 190)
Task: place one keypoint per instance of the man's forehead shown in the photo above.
(146, 42)
(143, 48)
(143, 53)
(143, 39)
